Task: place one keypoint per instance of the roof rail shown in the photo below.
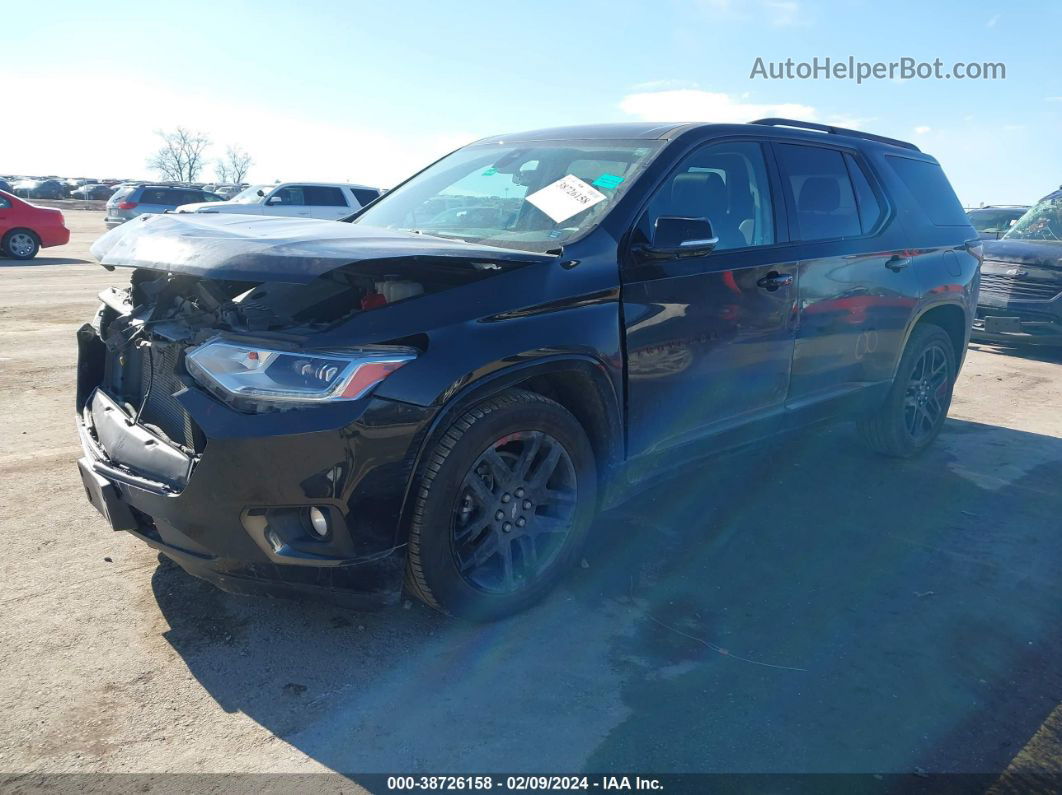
(828, 128)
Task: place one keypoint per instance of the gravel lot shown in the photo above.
(813, 608)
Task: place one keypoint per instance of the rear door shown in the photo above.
(153, 200)
(856, 292)
(710, 338)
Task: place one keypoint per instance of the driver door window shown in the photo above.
(726, 183)
(290, 196)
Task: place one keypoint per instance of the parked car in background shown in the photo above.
(129, 202)
(25, 228)
(1021, 279)
(42, 189)
(92, 192)
(993, 221)
(228, 191)
(330, 201)
(327, 408)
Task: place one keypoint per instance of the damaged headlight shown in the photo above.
(262, 374)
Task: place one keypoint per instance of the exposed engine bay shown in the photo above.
(183, 308)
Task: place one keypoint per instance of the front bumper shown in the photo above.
(1033, 322)
(234, 510)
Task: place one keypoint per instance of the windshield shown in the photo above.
(530, 196)
(251, 195)
(993, 220)
(1042, 222)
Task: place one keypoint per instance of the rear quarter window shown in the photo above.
(931, 190)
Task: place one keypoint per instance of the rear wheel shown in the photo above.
(503, 504)
(918, 401)
(20, 244)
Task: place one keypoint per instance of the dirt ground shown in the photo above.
(810, 608)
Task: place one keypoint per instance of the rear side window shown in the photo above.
(156, 196)
(316, 196)
(931, 190)
(870, 207)
(818, 179)
(4, 203)
(364, 196)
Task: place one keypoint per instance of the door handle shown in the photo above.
(896, 263)
(773, 280)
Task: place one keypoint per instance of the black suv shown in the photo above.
(1021, 283)
(448, 397)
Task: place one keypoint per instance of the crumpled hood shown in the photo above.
(266, 249)
(1024, 252)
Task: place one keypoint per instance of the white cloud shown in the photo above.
(992, 22)
(922, 130)
(697, 105)
(785, 13)
(283, 145)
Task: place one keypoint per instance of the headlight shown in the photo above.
(255, 373)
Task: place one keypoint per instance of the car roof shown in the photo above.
(325, 185)
(783, 128)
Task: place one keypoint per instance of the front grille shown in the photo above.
(1016, 288)
(158, 382)
(148, 376)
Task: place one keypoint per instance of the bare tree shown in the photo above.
(181, 157)
(234, 166)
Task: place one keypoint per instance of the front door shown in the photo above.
(710, 338)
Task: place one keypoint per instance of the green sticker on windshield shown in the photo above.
(490, 172)
(609, 181)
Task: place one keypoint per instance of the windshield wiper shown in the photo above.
(441, 236)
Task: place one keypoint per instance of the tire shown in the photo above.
(917, 403)
(485, 543)
(20, 244)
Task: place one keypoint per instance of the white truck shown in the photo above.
(325, 200)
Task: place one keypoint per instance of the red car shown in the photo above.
(26, 228)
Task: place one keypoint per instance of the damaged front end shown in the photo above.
(226, 400)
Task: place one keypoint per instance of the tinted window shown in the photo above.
(323, 197)
(870, 207)
(4, 203)
(818, 180)
(931, 190)
(156, 196)
(364, 196)
(725, 183)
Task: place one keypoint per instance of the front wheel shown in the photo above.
(503, 503)
(917, 404)
(20, 244)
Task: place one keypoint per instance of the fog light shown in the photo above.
(319, 522)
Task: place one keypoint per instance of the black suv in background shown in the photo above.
(448, 397)
(1021, 281)
(994, 221)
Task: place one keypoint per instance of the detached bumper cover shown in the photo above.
(233, 513)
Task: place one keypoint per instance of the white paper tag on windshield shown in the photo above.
(564, 198)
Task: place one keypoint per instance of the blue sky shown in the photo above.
(371, 91)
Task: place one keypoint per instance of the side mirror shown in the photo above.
(274, 200)
(681, 237)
